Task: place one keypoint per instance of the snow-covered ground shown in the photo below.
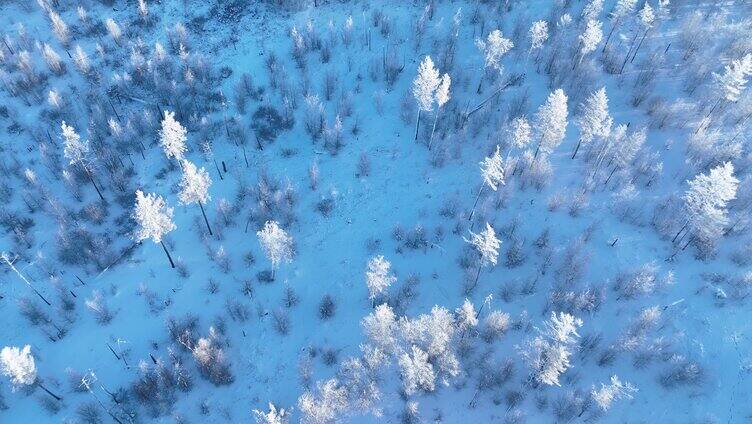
(660, 284)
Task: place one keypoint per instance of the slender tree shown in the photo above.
(442, 97)
(551, 122)
(194, 188)
(595, 121)
(705, 203)
(424, 88)
(494, 47)
(589, 39)
(492, 171)
(621, 11)
(538, 36)
(77, 152)
(19, 366)
(378, 277)
(172, 137)
(276, 243)
(154, 218)
(487, 246)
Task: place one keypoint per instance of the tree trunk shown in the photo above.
(172, 264)
(616, 25)
(58, 398)
(218, 171)
(433, 130)
(91, 178)
(629, 53)
(477, 276)
(205, 220)
(691, 239)
(472, 212)
(680, 231)
(417, 125)
(610, 175)
(577, 148)
(639, 45)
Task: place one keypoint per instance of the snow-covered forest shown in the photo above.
(394, 211)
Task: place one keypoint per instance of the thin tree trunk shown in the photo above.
(577, 148)
(472, 212)
(4, 256)
(680, 231)
(610, 175)
(629, 53)
(172, 264)
(616, 25)
(691, 239)
(205, 220)
(58, 398)
(433, 130)
(477, 276)
(639, 45)
(91, 178)
(218, 171)
(713, 108)
(417, 125)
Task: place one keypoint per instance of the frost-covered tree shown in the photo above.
(734, 78)
(19, 366)
(59, 28)
(548, 354)
(705, 203)
(274, 416)
(114, 30)
(492, 172)
(615, 390)
(595, 121)
(154, 218)
(81, 59)
(519, 132)
(143, 10)
(378, 276)
(622, 10)
(487, 246)
(624, 148)
(467, 317)
(494, 47)
(646, 19)
(592, 10)
(194, 188)
(424, 88)
(380, 328)
(325, 405)
(551, 122)
(276, 243)
(172, 137)
(589, 39)
(77, 152)
(442, 97)
(538, 36)
(434, 334)
(416, 371)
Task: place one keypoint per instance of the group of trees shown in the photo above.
(127, 97)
